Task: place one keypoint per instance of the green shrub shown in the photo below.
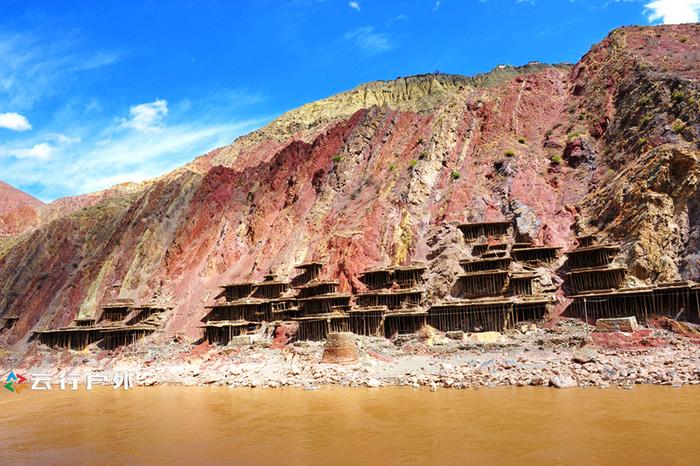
(521, 140)
(645, 119)
(678, 96)
(454, 175)
(412, 164)
(678, 126)
(556, 159)
(644, 101)
(509, 153)
(423, 155)
(392, 167)
(642, 141)
(338, 159)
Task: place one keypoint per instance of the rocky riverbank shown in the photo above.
(568, 354)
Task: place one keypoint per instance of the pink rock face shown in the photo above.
(367, 187)
(18, 210)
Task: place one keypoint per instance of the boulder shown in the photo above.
(584, 356)
(340, 348)
(618, 324)
(562, 381)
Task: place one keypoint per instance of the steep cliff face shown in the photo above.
(370, 177)
(18, 210)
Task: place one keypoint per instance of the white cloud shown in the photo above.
(62, 139)
(42, 151)
(14, 122)
(673, 11)
(437, 5)
(369, 41)
(32, 67)
(354, 5)
(147, 117)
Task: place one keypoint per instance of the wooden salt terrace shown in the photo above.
(270, 289)
(405, 321)
(481, 265)
(376, 279)
(316, 288)
(124, 335)
(143, 313)
(496, 253)
(535, 255)
(473, 315)
(596, 278)
(531, 308)
(521, 284)
(248, 309)
(316, 328)
(236, 291)
(84, 322)
(392, 299)
(309, 271)
(680, 300)
(323, 304)
(474, 231)
(368, 321)
(585, 241)
(591, 256)
(115, 311)
(481, 284)
(221, 332)
(408, 276)
(9, 322)
(482, 248)
(74, 338)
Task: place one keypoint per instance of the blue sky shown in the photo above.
(97, 93)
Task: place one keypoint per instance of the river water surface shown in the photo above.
(187, 425)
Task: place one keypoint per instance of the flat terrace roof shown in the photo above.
(359, 310)
(603, 268)
(484, 260)
(484, 272)
(499, 222)
(330, 315)
(126, 328)
(539, 248)
(322, 297)
(227, 323)
(308, 265)
(597, 247)
(412, 311)
(315, 283)
(240, 302)
(386, 292)
(238, 284)
(498, 301)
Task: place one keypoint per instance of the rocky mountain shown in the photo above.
(375, 175)
(18, 210)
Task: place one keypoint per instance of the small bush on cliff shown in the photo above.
(337, 159)
(678, 96)
(556, 159)
(642, 141)
(521, 140)
(412, 164)
(644, 101)
(678, 126)
(423, 155)
(645, 119)
(454, 175)
(510, 153)
(392, 167)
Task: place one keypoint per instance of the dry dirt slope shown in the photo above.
(366, 177)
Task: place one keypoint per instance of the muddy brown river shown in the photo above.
(187, 425)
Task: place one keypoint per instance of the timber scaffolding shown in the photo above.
(482, 248)
(487, 314)
(677, 300)
(223, 331)
(535, 255)
(475, 231)
(403, 276)
(8, 322)
(591, 268)
(120, 323)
